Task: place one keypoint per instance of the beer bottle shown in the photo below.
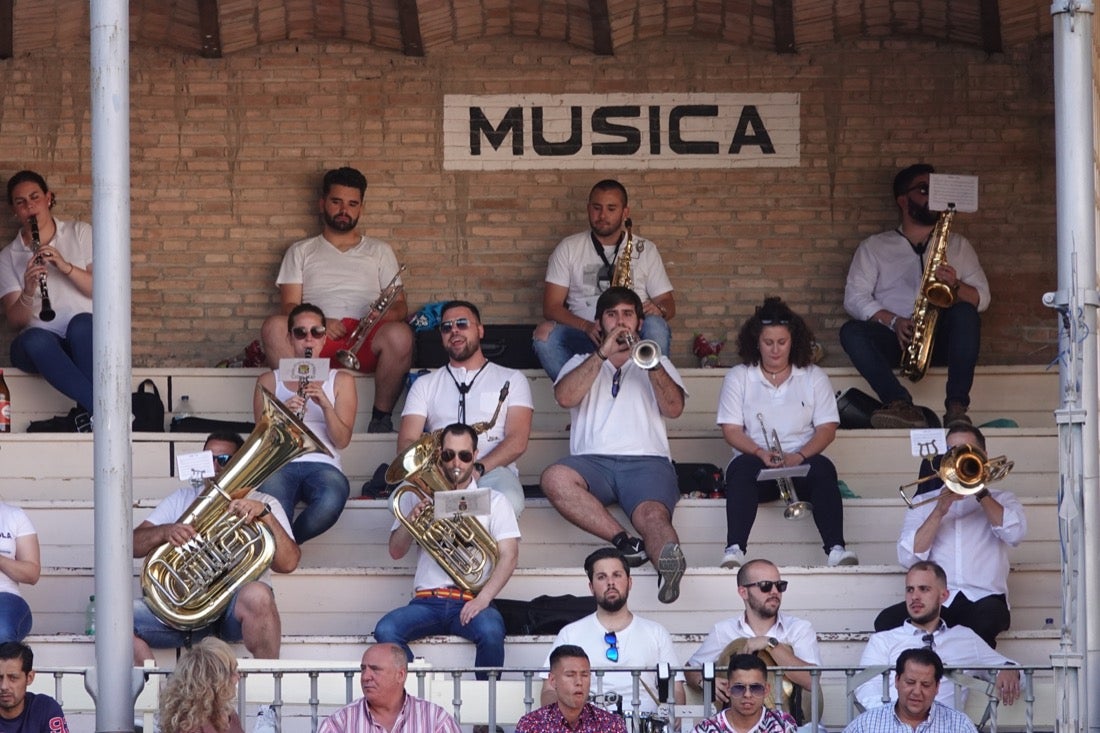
(5, 405)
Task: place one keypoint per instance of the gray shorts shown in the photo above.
(627, 480)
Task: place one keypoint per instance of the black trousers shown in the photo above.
(987, 617)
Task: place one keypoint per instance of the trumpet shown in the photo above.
(303, 382)
(964, 470)
(795, 509)
(348, 357)
(645, 353)
(47, 312)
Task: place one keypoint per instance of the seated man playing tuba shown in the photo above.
(251, 616)
(445, 601)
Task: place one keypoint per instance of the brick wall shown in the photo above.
(227, 156)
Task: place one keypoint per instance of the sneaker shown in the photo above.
(839, 555)
(956, 413)
(899, 414)
(380, 425)
(733, 558)
(670, 568)
(82, 421)
(633, 550)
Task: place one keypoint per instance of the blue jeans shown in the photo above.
(15, 618)
(158, 635)
(65, 363)
(875, 353)
(431, 616)
(322, 487)
(565, 341)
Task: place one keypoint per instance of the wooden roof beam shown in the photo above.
(7, 29)
(210, 30)
(991, 26)
(408, 19)
(783, 22)
(601, 28)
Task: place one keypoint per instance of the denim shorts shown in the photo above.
(159, 635)
(627, 480)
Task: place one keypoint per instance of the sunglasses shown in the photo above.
(448, 455)
(774, 322)
(738, 689)
(929, 641)
(460, 323)
(300, 332)
(616, 381)
(612, 646)
(921, 188)
(765, 586)
(222, 459)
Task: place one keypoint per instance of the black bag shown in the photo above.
(147, 408)
(699, 478)
(855, 408)
(507, 345)
(543, 614)
(207, 425)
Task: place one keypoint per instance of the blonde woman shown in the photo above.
(198, 697)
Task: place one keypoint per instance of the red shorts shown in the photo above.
(368, 360)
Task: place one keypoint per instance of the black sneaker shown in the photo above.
(633, 550)
(380, 425)
(670, 569)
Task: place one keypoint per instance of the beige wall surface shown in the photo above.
(227, 156)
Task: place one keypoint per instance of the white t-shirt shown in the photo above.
(643, 643)
(794, 409)
(341, 284)
(787, 629)
(73, 240)
(435, 397)
(14, 523)
(630, 424)
(575, 265)
(314, 418)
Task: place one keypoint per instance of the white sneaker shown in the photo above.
(733, 558)
(841, 556)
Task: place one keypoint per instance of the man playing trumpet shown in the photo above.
(438, 605)
(618, 444)
(985, 524)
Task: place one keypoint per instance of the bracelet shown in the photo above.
(70, 272)
(800, 453)
(26, 300)
(600, 354)
(893, 321)
(265, 512)
(661, 308)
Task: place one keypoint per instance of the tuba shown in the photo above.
(461, 545)
(189, 586)
(965, 470)
(931, 297)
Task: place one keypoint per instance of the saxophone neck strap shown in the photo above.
(600, 249)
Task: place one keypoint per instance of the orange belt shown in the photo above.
(456, 594)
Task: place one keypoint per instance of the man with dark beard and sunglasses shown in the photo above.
(790, 641)
(882, 285)
(343, 272)
(615, 638)
(467, 390)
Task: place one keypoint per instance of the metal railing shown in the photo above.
(302, 691)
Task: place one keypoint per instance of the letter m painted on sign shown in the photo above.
(511, 124)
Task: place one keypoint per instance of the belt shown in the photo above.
(456, 594)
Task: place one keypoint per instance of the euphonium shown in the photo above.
(795, 509)
(623, 276)
(461, 545)
(931, 297)
(187, 587)
(965, 470)
(348, 357)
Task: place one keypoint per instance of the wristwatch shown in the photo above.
(480, 468)
(265, 512)
(892, 322)
(772, 642)
(981, 495)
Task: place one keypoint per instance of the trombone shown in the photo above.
(795, 509)
(964, 470)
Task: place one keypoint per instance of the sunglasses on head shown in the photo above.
(460, 323)
(765, 586)
(774, 322)
(612, 642)
(300, 332)
(448, 455)
(222, 458)
(739, 689)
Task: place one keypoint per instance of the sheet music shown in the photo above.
(770, 474)
(945, 191)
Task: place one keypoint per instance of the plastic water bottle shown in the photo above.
(89, 617)
(5, 405)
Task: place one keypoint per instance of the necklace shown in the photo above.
(774, 375)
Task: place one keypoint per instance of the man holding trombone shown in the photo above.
(618, 398)
(969, 535)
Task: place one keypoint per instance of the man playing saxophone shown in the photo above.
(885, 275)
(584, 265)
(344, 273)
(251, 616)
(438, 605)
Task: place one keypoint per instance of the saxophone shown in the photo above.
(932, 296)
(623, 277)
(461, 545)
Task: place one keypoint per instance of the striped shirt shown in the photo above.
(884, 719)
(416, 716)
(770, 721)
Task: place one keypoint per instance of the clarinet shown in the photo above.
(303, 382)
(47, 313)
